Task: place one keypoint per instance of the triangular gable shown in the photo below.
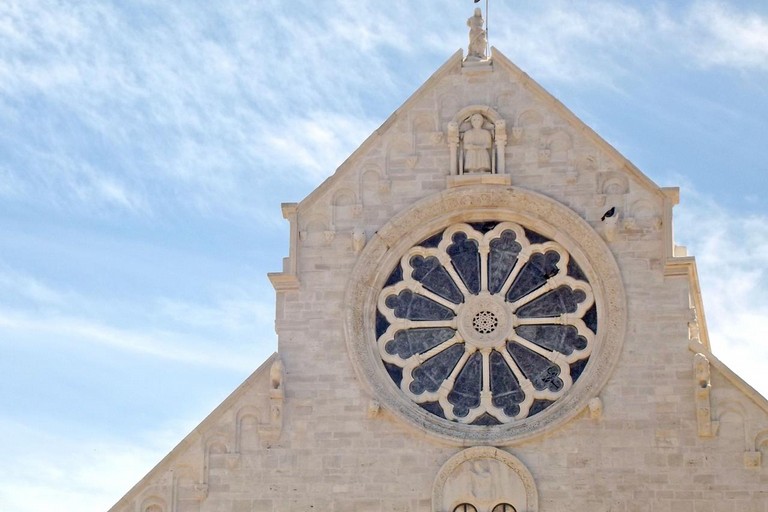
(498, 58)
(198, 433)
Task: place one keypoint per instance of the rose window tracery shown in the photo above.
(486, 323)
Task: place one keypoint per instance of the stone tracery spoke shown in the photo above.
(551, 355)
(419, 289)
(448, 383)
(418, 356)
(509, 281)
(525, 384)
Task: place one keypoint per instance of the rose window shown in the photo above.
(486, 323)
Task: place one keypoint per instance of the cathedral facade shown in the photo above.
(481, 310)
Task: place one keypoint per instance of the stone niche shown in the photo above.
(484, 479)
(477, 137)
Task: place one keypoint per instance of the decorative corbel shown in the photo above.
(596, 408)
(358, 240)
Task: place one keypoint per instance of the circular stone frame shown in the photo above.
(478, 203)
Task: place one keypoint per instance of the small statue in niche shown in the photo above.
(477, 145)
(477, 37)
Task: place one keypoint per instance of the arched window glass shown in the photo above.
(503, 507)
(465, 507)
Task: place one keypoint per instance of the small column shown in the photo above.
(501, 145)
(453, 144)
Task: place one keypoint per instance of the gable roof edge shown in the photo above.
(319, 191)
(537, 88)
(737, 381)
(197, 432)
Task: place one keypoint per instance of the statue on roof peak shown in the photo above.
(478, 40)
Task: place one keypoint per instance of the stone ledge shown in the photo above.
(479, 179)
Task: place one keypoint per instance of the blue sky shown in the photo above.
(146, 146)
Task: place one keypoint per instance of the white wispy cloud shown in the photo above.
(232, 331)
(731, 252)
(718, 34)
(73, 470)
(327, 138)
(603, 43)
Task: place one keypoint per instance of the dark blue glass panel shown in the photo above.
(432, 241)
(429, 272)
(505, 388)
(432, 372)
(381, 324)
(574, 270)
(502, 258)
(560, 338)
(484, 227)
(535, 238)
(466, 390)
(395, 373)
(535, 273)
(412, 306)
(395, 277)
(416, 341)
(434, 407)
(542, 373)
(590, 318)
(539, 405)
(557, 302)
(486, 420)
(577, 368)
(466, 260)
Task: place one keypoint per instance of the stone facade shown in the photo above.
(652, 422)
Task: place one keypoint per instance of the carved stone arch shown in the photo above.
(247, 428)
(755, 458)
(527, 126)
(217, 449)
(505, 100)
(217, 444)
(489, 113)
(373, 185)
(560, 144)
(732, 415)
(153, 503)
(158, 494)
(529, 117)
(612, 183)
(449, 103)
(315, 229)
(345, 208)
(425, 130)
(643, 214)
(188, 486)
(761, 440)
(492, 122)
(484, 477)
(400, 154)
